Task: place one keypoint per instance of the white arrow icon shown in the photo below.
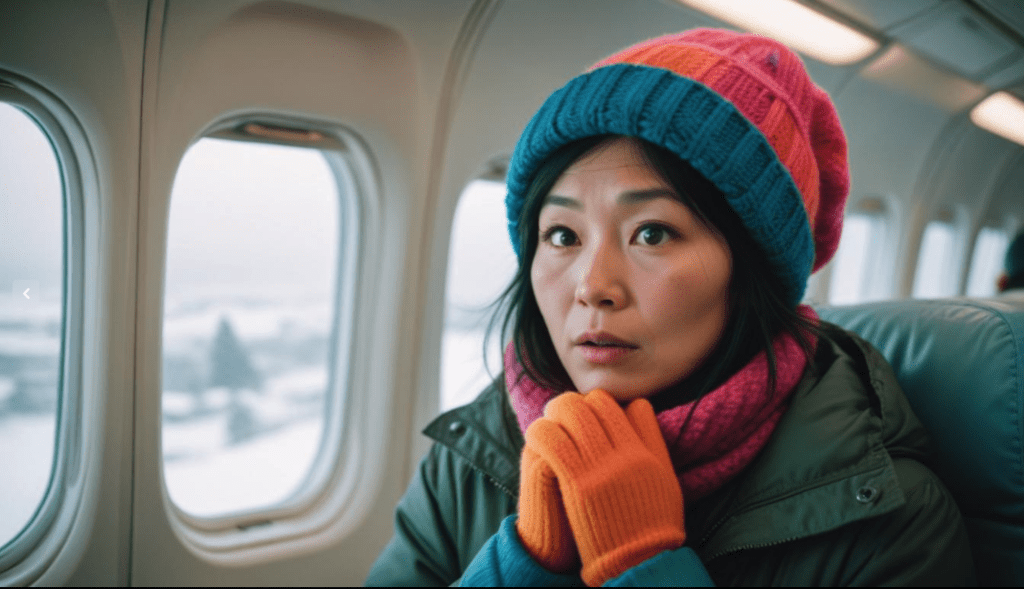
(26, 293)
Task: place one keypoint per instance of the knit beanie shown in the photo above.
(740, 109)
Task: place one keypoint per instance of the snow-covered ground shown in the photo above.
(215, 479)
(210, 469)
(262, 472)
(26, 458)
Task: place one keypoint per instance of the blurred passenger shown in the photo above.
(1011, 281)
(667, 207)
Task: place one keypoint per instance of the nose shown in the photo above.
(601, 277)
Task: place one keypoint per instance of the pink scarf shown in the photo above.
(729, 425)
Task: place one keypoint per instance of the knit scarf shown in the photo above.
(727, 428)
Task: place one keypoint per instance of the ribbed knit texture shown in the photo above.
(729, 425)
(543, 525)
(740, 109)
(620, 494)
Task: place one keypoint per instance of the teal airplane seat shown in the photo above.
(961, 364)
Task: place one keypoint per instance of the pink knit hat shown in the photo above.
(740, 109)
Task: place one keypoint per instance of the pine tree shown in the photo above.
(230, 368)
(229, 362)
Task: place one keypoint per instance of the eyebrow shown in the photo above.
(639, 196)
(562, 201)
(629, 198)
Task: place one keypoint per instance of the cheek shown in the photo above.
(715, 269)
(545, 280)
(696, 290)
(554, 290)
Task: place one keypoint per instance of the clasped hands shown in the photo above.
(597, 487)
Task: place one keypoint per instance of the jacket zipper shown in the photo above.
(718, 524)
(491, 479)
(752, 547)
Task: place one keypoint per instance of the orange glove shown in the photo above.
(621, 495)
(542, 525)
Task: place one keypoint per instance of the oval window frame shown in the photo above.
(333, 500)
(26, 557)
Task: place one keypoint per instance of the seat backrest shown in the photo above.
(961, 364)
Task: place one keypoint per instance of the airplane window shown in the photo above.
(252, 257)
(31, 315)
(481, 264)
(849, 272)
(986, 262)
(934, 277)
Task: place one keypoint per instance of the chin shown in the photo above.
(627, 397)
(621, 390)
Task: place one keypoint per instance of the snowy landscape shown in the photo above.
(244, 385)
(29, 366)
(243, 401)
(246, 333)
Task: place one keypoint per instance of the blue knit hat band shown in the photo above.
(698, 125)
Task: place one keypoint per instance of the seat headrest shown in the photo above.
(961, 364)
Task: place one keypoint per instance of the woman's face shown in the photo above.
(631, 284)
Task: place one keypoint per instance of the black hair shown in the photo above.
(1015, 281)
(1014, 261)
(757, 308)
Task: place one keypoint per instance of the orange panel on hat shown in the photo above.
(804, 169)
(756, 101)
(775, 120)
(694, 63)
(795, 153)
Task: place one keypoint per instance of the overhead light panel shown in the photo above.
(1002, 114)
(795, 25)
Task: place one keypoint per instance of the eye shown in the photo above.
(560, 236)
(654, 234)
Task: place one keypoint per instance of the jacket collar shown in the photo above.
(827, 464)
(829, 461)
(486, 435)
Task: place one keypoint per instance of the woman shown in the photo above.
(667, 208)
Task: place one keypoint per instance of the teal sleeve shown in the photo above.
(672, 568)
(504, 562)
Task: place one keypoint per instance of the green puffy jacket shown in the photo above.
(839, 496)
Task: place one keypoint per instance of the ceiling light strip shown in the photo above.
(795, 25)
(1002, 114)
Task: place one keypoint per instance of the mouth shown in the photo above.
(600, 348)
(600, 339)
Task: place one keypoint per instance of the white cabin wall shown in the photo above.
(963, 181)
(376, 70)
(936, 161)
(890, 133)
(336, 63)
(971, 57)
(87, 57)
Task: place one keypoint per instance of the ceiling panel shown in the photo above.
(1010, 12)
(959, 38)
(882, 14)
